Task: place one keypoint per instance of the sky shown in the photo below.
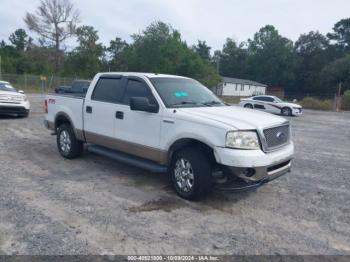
(209, 20)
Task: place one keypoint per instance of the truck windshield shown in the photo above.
(7, 87)
(184, 92)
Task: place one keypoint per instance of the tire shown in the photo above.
(191, 173)
(248, 106)
(286, 111)
(67, 144)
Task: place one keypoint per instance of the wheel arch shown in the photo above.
(190, 142)
(64, 118)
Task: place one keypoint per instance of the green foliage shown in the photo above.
(20, 39)
(315, 64)
(313, 103)
(159, 49)
(337, 72)
(341, 34)
(87, 58)
(203, 50)
(272, 60)
(234, 60)
(311, 50)
(345, 103)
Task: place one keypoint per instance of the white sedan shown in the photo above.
(271, 104)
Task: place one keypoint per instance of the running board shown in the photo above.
(128, 159)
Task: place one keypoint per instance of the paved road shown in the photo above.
(95, 205)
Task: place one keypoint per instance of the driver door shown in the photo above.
(138, 132)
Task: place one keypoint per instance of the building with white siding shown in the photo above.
(240, 87)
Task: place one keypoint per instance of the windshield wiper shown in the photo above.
(184, 103)
(210, 103)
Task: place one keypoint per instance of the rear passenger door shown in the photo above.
(259, 103)
(100, 109)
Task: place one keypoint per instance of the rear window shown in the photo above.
(108, 90)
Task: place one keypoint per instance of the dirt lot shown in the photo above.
(95, 205)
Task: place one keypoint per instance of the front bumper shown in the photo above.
(256, 165)
(297, 111)
(15, 109)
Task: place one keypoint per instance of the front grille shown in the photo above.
(277, 136)
(10, 99)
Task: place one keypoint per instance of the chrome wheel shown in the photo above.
(65, 142)
(184, 175)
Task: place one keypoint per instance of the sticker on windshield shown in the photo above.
(181, 94)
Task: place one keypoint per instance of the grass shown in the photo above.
(314, 103)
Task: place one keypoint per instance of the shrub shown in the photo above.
(313, 103)
(345, 101)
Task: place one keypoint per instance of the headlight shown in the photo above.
(242, 140)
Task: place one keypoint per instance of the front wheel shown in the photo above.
(286, 111)
(191, 173)
(68, 146)
(248, 106)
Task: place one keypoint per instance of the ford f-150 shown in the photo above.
(173, 124)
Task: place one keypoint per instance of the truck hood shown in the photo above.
(235, 117)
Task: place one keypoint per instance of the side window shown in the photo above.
(258, 98)
(108, 90)
(137, 89)
(269, 99)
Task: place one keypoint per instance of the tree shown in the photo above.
(341, 34)
(335, 73)
(313, 54)
(86, 59)
(116, 50)
(271, 58)
(159, 49)
(20, 39)
(233, 60)
(203, 50)
(54, 21)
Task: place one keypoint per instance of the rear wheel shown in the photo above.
(286, 111)
(68, 145)
(248, 106)
(191, 173)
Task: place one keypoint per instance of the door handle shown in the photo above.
(88, 109)
(119, 115)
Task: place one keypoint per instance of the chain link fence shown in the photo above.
(36, 83)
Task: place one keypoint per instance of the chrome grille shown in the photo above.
(11, 99)
(277, 136)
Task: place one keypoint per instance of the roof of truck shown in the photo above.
(149, 75)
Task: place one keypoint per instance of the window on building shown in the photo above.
(242, 87)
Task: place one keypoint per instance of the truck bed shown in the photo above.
(68, 104)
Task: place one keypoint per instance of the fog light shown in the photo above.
(249, 172)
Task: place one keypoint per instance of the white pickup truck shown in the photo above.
(173, 124)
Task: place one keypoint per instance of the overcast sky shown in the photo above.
(210, 20)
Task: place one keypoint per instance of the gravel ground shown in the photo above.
(94, 205)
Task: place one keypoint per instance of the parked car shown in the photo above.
(13, 102)
(166, 123)
(272, 104)
(77, 87)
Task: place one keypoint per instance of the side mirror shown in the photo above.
(21, 91)
(142, 104)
